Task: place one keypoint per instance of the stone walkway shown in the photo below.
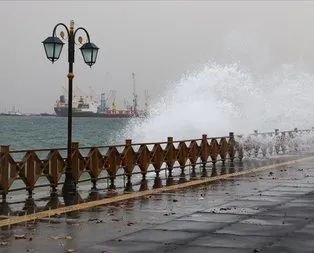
(271, 211)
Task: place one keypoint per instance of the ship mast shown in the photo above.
(134, 95)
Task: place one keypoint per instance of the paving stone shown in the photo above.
(281, 193)
(275, 199)
(305, 232)
(284, 249)
(196, 249)
(303, 200)
(304, 204)
(293, 210)
(153, 217)
(277, 213)
(252, 229)
(234, 210)
(151, 235)
(249, 204)
(231, 241)
(308, 197)
(124, 247)
(195, 226)
(272, 220)
(291, 245)
(292, 189)
(212, 217)
(298, 185)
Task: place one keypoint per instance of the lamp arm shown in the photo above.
(56, 26)
(81, 28)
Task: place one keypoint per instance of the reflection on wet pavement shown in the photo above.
(243, 213)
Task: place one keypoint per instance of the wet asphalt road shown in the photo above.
(272, 211)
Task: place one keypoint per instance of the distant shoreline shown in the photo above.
(28, 114)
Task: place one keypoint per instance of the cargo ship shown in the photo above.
(84, 105)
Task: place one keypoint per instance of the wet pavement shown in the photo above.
(270, 211)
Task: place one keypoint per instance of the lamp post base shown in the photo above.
(69, 185)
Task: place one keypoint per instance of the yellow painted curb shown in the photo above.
(66, 209)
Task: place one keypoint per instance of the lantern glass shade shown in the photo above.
(89, 52)
(53, 47)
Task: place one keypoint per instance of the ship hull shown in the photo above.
(63, 112)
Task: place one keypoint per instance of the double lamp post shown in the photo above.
(53, 46)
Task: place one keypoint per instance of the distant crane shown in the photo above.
(78, 89)
(104, 100)
(127, 104)
(107, 78)
(146, 100)
(134, 95)
(64, 90)
(103, 106)
(92, 91)
(77, 92)
(112, 95)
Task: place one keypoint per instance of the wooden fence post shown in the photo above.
(4, 170)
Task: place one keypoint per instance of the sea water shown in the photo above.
(214, 99)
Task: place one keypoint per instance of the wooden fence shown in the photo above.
(130, 158)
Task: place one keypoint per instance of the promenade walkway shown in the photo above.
(270, 210)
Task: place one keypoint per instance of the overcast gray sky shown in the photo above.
(158, 40)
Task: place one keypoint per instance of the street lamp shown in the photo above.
(53, 46)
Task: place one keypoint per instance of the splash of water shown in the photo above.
(219, 99)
